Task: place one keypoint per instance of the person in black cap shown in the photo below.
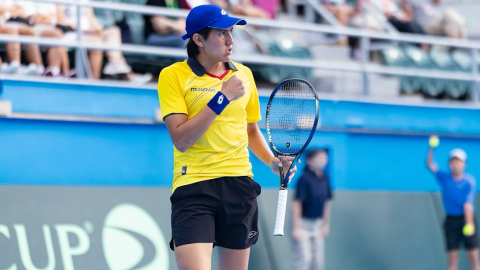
(210, 107)
(311, 213)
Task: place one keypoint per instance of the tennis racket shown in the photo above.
(292, 118)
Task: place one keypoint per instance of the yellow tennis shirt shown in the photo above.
(186, 88)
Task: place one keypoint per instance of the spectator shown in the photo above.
(248, 8)
(270, 6)
(194, 3)
(311, 213)
(340, 10)
(402, 18)
(94, 32)
(12, 49)
(17, 23)
(164, 31)
(239, 7)
(43, 16)
(440, 20)
(13, 53)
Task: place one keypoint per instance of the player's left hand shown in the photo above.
(325, 229)
(285, 163)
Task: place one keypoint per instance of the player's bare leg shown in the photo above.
(233, 259)
(452, 257)
(473, 259)
(196, 256)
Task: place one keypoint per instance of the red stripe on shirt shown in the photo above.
(218, 77)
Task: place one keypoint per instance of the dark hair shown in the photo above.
(192, 48)
(312, 152)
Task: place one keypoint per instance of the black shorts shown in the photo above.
(221, 211)
(454, 234)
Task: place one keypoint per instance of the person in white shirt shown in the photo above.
(19, 12)
(94, 32)
(440, 20)
(44, 18)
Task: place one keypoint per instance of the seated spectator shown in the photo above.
(340, 10)
(239, 7)
(440, 20)
(43, 16)
(400, 17)
(247, 8)
(12, 66)
(270, 6)
(193, 3)
(17, 23)
(164, 31)
(94, 32)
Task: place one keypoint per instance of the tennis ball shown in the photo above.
(433, 141)
(468, 229)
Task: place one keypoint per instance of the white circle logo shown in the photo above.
(223, 12)
(132, 240)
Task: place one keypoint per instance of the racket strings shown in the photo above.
(292, 116)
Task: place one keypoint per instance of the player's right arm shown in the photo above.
(185, 132)
(431, 164)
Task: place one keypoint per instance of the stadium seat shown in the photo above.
(463, 61)
(282, 48)
(422, 60)
(395, 56)
(443, 61)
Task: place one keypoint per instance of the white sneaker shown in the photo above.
(116, 68)
(141, 78)
(3, 67)
(30, 70)
(12, 68)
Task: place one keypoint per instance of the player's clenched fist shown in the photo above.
(233, 88)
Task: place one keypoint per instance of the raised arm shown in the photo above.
(186, 132)
(431, 164)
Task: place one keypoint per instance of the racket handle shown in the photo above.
(281, 209)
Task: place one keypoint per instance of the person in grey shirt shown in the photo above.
(440, 20)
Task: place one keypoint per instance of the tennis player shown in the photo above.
(458, 194)
(210, 106)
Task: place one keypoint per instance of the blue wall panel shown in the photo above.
(87, 100)
(77, 153)
(91, 100)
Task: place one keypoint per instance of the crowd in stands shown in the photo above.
(44, 19)
(31, 18)
(430, 17)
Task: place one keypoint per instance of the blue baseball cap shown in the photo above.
(209, 16)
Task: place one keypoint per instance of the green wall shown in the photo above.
(369, 231)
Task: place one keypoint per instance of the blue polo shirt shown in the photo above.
(313, 192)
(455, 193)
